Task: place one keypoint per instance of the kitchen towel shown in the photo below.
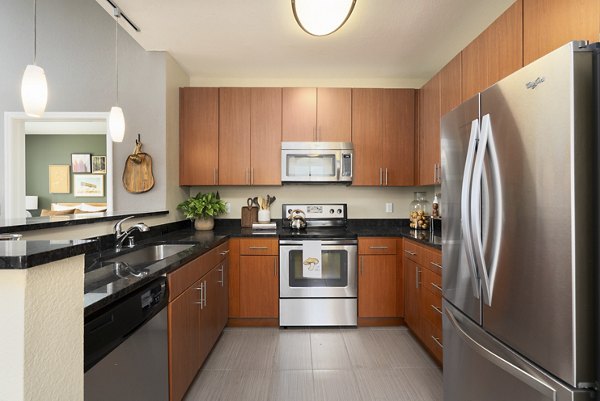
(311, 259)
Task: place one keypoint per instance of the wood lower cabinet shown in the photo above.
(198, 136)
(383, 136)
(197, 314)
(254, 293)
(378, 279)
(423, 295)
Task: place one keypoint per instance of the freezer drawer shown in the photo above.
(477, 367)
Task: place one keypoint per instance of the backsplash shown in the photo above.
(363, 202)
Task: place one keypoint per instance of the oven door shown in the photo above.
(338, 264)
(311, 166)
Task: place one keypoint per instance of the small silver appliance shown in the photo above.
(314, 162)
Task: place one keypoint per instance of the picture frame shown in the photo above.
(88, 185)
(98, 164)
(59, 179)
(81, 162)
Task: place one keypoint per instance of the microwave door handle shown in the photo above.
(338, 163)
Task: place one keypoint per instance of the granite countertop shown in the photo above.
(27, 254)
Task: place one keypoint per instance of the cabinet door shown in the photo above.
(209, 314)
(450, 85)
(504, 44)
(377, 286)
(412, 295)
(549, 24)
(265, 139)
(474, 74)
(198, 136)
(223, 298)
(184, 345)
(398, 137)
(299, 114)
(334, 114)
(234, 136)
(367, 112)
(259, 287)
(429, 132)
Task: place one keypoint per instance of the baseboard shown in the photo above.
(380, 321)
(247, 322)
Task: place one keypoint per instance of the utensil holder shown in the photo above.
(264, 216)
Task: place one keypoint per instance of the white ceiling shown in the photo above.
(395, 43)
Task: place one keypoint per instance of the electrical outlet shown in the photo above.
(389, 207)
(228, 207)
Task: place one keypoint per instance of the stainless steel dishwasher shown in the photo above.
(126, 348)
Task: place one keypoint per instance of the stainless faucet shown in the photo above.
(121, 235)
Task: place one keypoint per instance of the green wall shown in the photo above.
(44, 150)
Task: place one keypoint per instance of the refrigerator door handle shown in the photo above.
(464, 205)
(509, 367)
(486, 142)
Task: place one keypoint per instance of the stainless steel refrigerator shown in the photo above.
(519, 184)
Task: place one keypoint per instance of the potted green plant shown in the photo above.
(203, 208)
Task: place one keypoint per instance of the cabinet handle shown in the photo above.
(437, 341)
(224, 253)
(438, 310)
(437, 286)
(410, 253)
(386, 177)
(201, 289)
(436, 265)
(222, 270)
(380, 176)
(258, 247)
(418, 276)
(378, 247)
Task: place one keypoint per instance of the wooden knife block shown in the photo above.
(249, 216)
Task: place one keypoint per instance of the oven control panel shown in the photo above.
(318, 211)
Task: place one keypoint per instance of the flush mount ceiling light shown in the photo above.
(116, 119)
(34, 88)
(322, 17)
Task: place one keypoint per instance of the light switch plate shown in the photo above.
(389, 207)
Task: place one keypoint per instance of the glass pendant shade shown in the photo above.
(116, 124)
(322, 17)
(34, 91)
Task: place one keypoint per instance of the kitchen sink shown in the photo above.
(149, 254)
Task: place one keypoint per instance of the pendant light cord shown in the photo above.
(34, 32)
(117, 15)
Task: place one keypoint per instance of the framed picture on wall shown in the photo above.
(98, 164)
(90, 185)
(59, 179)
(81, 163)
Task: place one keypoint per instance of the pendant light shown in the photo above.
(34, 88)
(116, 119)
(322, 17)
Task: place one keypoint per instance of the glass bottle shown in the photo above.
(418, 212)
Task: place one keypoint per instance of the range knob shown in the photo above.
(339, 211)
(331, 211)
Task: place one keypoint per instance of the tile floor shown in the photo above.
(363, 364)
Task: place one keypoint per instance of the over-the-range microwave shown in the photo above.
(312, 162)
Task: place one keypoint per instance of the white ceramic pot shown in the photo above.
(264, 216)
(204, 223)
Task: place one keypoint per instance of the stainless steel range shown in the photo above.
(318, 263)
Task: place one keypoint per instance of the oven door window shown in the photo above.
(317, 165)
(334, 266)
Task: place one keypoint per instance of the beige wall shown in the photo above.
(41, 345)
(363, 202)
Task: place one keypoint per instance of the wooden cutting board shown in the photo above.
(249, 216)
(137, 176)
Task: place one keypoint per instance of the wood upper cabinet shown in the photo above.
(450, 85)
(549, 24)
(234, 136)
(383, 137)
(316, 114)
(265, 136)
(495, 53)
(429, 132)
(249, 136)
(198, 136)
